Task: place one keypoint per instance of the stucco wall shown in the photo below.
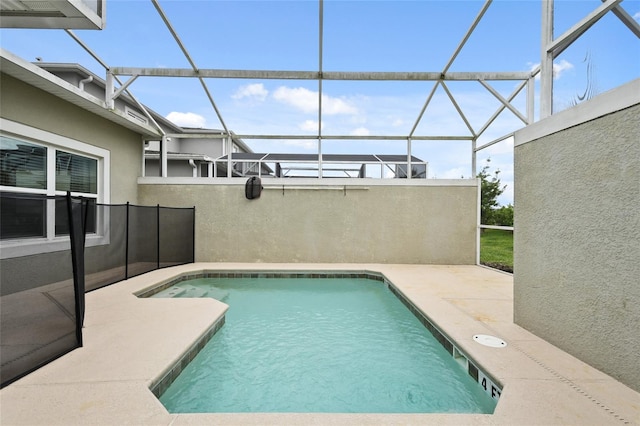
(433, 224)
(31, 106)
(577, 239)
(22, 103)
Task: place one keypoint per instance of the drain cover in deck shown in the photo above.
(491, 341)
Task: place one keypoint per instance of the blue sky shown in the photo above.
(358, 36)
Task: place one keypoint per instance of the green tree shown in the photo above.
(490, 190)
(503, 215)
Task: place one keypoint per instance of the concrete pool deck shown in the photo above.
(129, 342)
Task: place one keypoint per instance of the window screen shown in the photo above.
(23, 164)
(76, 173)
(22, 217)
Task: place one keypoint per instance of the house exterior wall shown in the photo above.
(175, 168)
(213, 148)
(33, 107)
(577, 237)
(430, 223)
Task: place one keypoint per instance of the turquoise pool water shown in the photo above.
(330, 345)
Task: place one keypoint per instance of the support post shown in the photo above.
(531, 93)
(163, 156)
(546, 60)
(158, 236)
(229, 149)
(474, 157)
(126, 245)
(409, 171)
(109, 91)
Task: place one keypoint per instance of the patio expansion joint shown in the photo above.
(550, 370)
(572, 385)
(484, 299)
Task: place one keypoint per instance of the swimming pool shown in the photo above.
(307, 343)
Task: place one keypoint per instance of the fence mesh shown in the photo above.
(38, 321)
(41, 300)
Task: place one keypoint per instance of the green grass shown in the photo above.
(496, 249)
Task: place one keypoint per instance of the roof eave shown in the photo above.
(33, 75)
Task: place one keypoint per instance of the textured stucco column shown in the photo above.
(577, 232)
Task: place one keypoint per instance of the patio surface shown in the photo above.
(129, 342)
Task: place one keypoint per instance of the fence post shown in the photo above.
(193, 240)
(126, 245)
(158, 235)
(77, 263)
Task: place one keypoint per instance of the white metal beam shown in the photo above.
(424, 108)
(106, 67)
(504, 101)
(193, 65)
(502, 107)
(473, 26)
(123, 87)
(355, 138)
(320, 35)
(557, 46)
(455, 104)
(626, 19)
(493, 142)
(321, 75)
(443, 74)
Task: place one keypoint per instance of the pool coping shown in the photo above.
(490, 386)
(131, 341)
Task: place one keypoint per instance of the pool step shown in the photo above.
(217, 293)
(192, 291)
(173, 292)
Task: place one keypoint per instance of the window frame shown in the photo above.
(53, 142)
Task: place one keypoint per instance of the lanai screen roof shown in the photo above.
(328, 77)
(330, 158)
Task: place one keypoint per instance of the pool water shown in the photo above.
(327, 345)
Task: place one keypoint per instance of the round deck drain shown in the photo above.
(491, 341)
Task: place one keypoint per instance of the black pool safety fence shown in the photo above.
(57, 248)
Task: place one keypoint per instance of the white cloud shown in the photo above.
(398, 122)
(300, 98)
(332, 106)
(309, 126)
(187, 119)
(360, 131)
(307, 101)
(254, 91)
(637, 16)
(559, 68)
(502, 147)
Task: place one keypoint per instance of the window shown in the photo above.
(76, 173)
(23, 164)
(35, 164)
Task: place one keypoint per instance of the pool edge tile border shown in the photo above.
(160, 385)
